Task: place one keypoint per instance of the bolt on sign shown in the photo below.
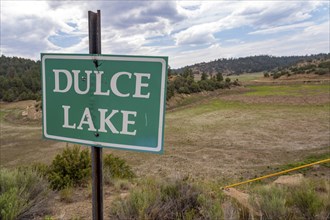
(105, 100)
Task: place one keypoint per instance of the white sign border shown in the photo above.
(115, 58)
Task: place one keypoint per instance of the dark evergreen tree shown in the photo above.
(204, 76)
(219, 77)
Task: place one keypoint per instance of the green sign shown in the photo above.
(105, 100)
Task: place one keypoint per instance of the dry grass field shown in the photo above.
(236, 133)
(241, 134)
(218, 137)
(21, 140)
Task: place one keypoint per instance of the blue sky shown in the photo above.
(187, 32)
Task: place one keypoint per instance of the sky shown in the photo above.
(188, 32)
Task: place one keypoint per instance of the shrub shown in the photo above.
(204, 76)
(325, 65)
(208, 84)
(305, 198)
(184, 90)
(210, 209)
(227, 80)
(271, 201)
(115, 167)
(295, 202)
(173, 200)
(180, 82)
(170, 90)
(194, 87)
(277, 75)
(219, 77)
(177, 200)
(135, 205)
(41, 169)
(23, 194)
(219, 85)
(10, 204)
(236, 83)
(322, 71)
(66, 195)
(70, 168)
(122, 184)
(266, 75)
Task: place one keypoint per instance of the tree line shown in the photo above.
(251, 64)
(19, 79)
(186, 83)
(318, 67)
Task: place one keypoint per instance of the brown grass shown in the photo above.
(212, 136)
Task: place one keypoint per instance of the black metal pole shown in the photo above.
(94, 28)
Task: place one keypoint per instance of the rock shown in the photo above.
(32, 113)
(243, 199)
(289, 180)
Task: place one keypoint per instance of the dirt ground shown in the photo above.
(293, 79)
(307, 99)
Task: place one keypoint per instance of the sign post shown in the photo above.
(94, 30)
(115, 101)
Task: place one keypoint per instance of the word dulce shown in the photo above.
(105, 116)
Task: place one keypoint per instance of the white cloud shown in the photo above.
(311, 40)
(187, 31)
(256, 14)
(198, 34)
(283, 28)
(26, 27)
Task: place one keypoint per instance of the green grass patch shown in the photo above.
(189, 100)
(219, 105)
(215, 105)
(308, 160)
(289, 90)
(2, 114)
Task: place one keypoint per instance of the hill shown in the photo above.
(250, 64)
(318, 67)
(20, 77)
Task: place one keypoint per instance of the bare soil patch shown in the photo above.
(16, 105)
(289, 180)
(293, 79)
(80, 206)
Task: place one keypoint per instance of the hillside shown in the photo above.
(250, 64)
(318, 67)
(20, 77)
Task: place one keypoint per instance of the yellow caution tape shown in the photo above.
(278, 173)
